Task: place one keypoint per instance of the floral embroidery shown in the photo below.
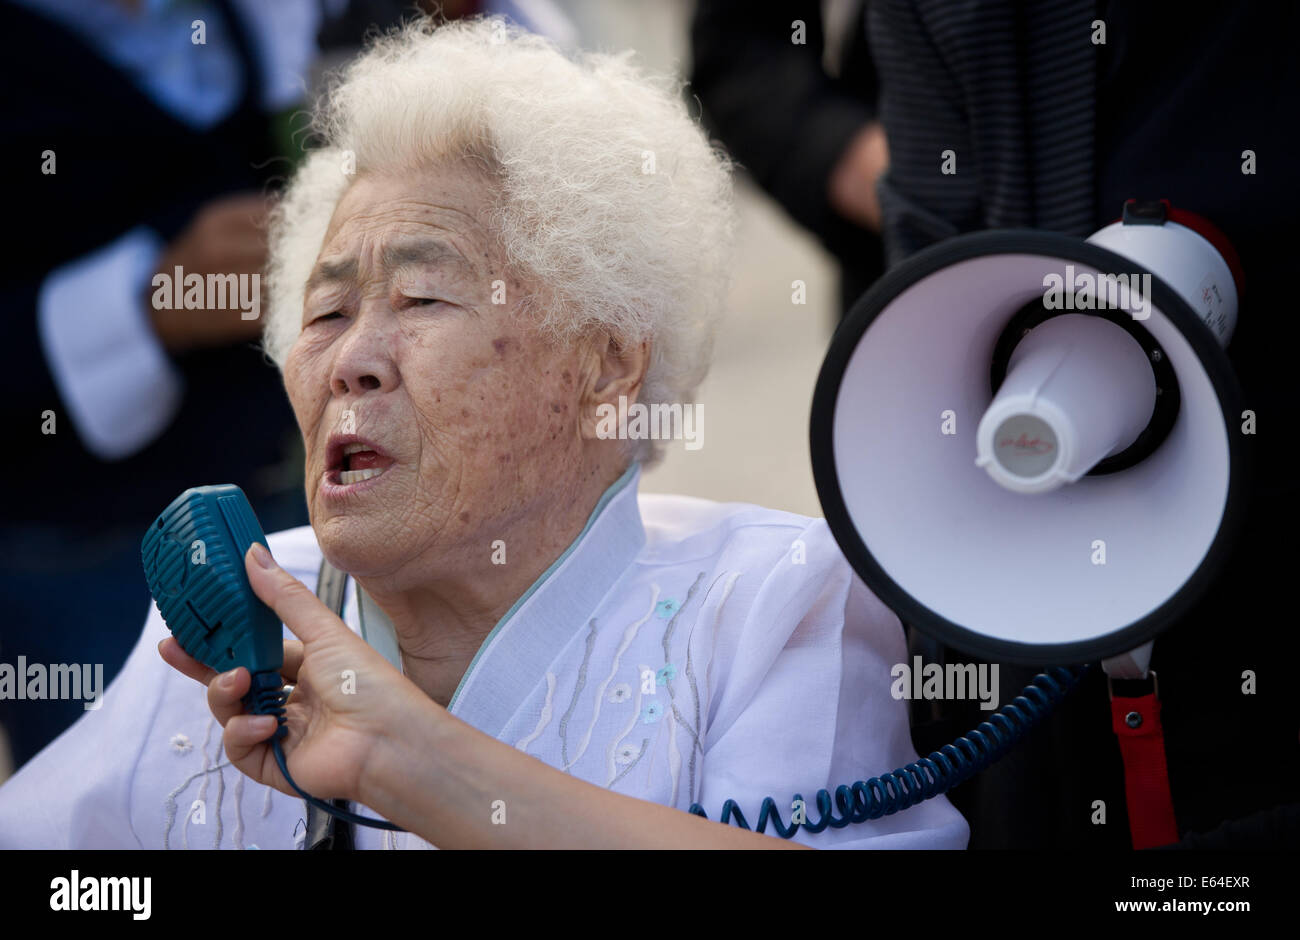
(652, 713)
(627, 752)
(666, 674)
(181, 744)
(666, 608)
(620, 693)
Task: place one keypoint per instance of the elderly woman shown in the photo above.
(494, 247)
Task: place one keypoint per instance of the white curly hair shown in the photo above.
(608, 193)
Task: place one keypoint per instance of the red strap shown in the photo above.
(1146, 776)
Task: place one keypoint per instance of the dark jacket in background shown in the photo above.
(1051, 131)
(71, 581)
(781, 115)
(122, 162)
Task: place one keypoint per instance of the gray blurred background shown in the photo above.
(759, 391)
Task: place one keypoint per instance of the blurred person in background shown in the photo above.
(810, 137)
(141, 138)
(154, 134)
(1057, 113)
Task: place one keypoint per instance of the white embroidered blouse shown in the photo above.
(680, 651)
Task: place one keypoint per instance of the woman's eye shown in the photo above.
(424, 301)
(327, 316)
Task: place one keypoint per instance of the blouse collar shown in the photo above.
(545, 618)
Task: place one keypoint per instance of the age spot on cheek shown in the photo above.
(500, 344)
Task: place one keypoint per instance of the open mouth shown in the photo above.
(356, 461)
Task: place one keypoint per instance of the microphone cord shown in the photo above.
(893, 792)
(266, 696)
(928, 777)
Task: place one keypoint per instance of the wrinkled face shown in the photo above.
(435, 417)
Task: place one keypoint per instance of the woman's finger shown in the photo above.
(184, 663)
(225, 694)
(225, 701)
(244, 733)
(300, 609)
(292, 660)
(246, 740)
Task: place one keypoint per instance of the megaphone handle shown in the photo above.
(1131, 665)
(1135, 719)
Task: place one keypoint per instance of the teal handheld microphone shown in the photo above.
(193, 556)
(193, 559)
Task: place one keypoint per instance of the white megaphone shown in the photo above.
(1029, 445)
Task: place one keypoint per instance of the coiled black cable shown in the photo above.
(893, 792)
(928, 777)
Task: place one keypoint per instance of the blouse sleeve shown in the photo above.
(808, 706)
(76, 793)
(134, 772)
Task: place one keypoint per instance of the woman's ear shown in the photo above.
(613, 370)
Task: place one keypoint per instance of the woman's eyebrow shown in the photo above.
(423, 252)
(430, 252)
(328, 272)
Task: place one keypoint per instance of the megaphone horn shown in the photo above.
(1027, 444)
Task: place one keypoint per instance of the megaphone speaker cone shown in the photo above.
(1078, 389)
(1088, 567)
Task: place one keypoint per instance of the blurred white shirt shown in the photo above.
(117, 381)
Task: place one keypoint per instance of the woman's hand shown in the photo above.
(346, 696)
(360, 730)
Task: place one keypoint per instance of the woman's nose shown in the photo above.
(367, 382)
(364, 362)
